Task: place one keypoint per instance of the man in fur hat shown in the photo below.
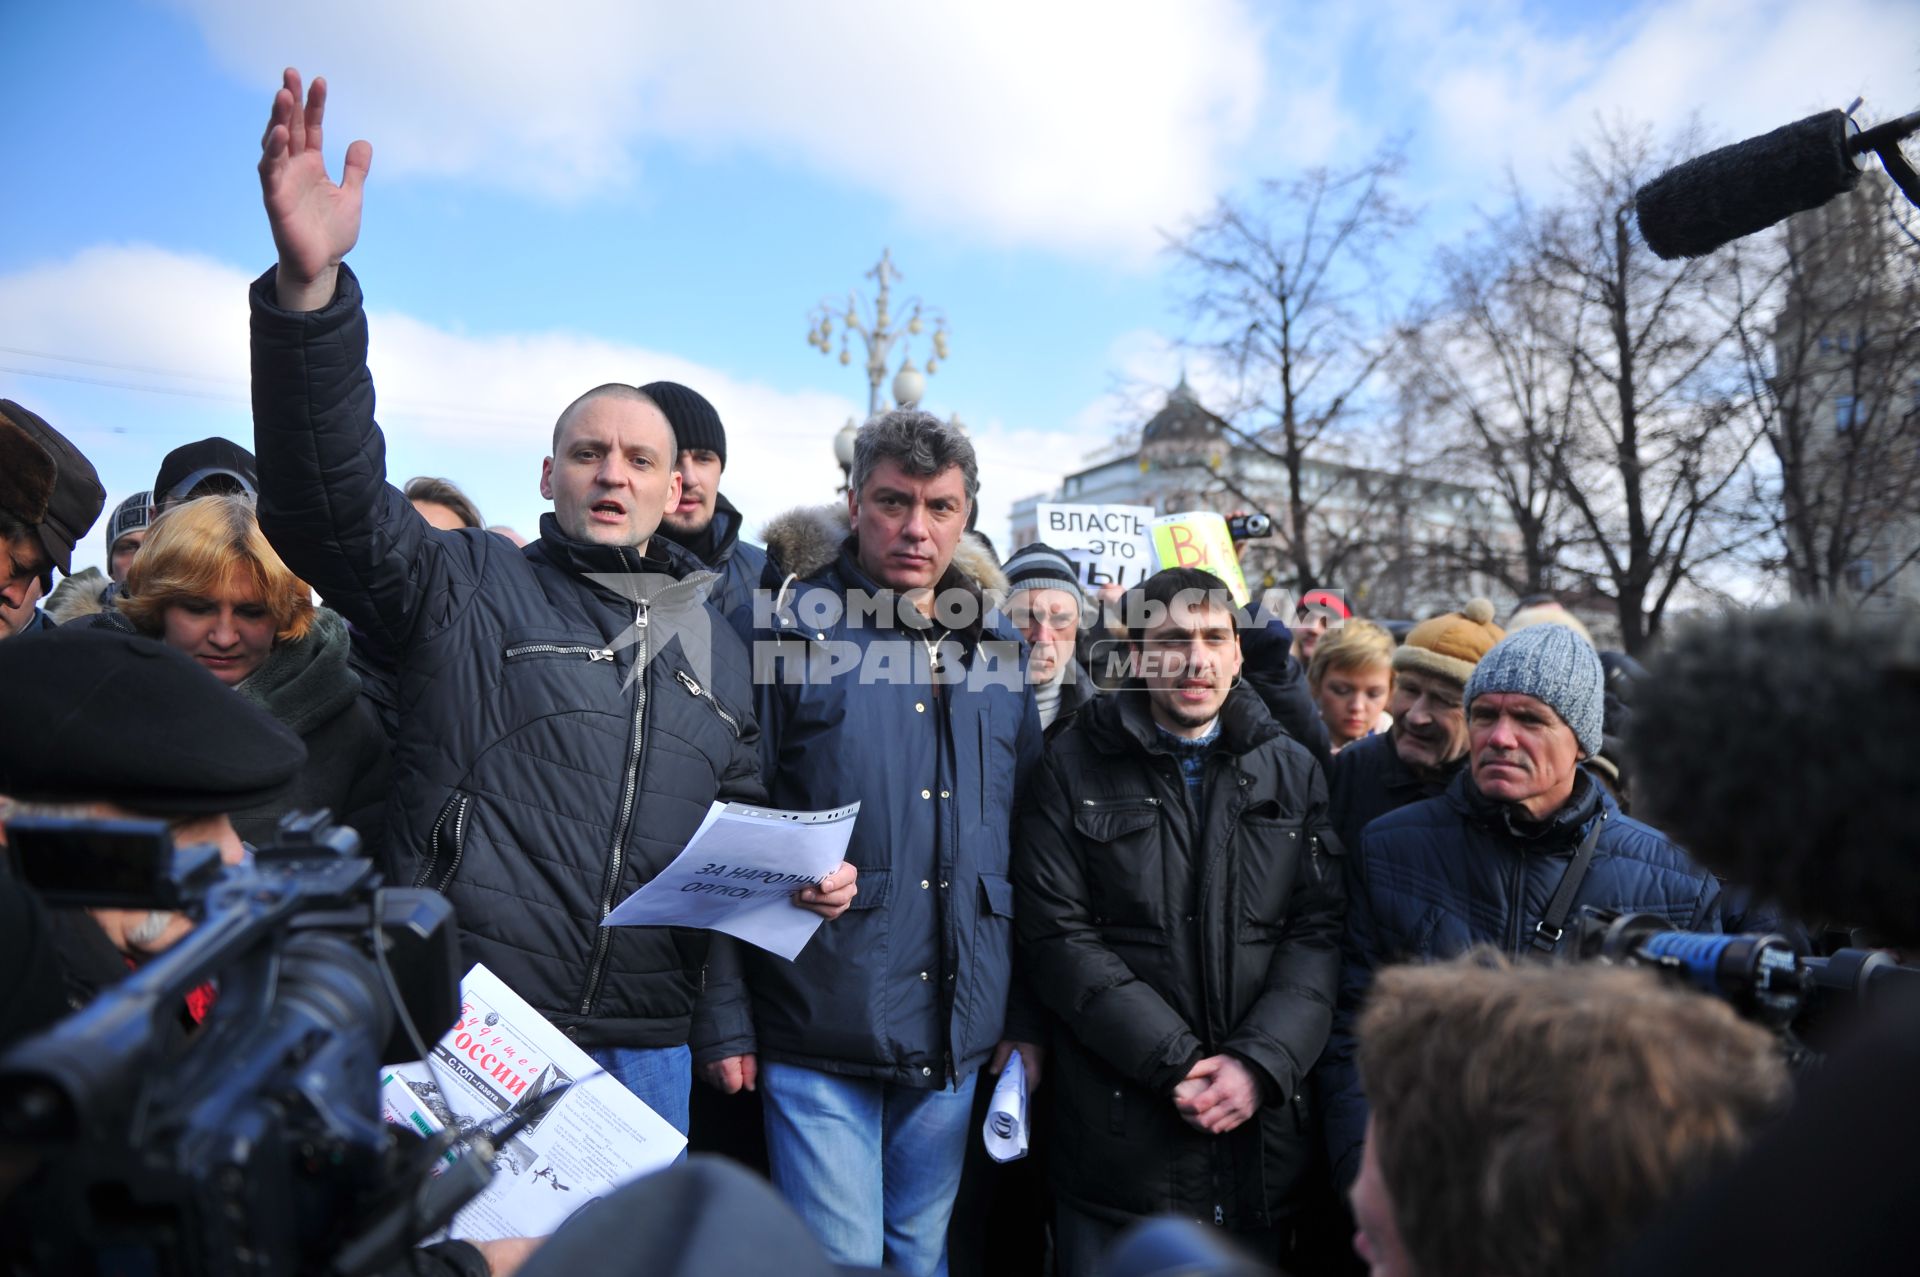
(49, 497)
(883, 678)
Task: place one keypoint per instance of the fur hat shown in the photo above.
(46, 482)
(1450, 645)
(1556, 667)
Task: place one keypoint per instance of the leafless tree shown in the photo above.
(1489, 376)
(1660, 436)
(1286, 294)
(1834, 373)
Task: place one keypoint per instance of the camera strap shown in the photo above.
(1552, 924)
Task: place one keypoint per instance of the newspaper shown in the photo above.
(499, 1058)
(738, 874)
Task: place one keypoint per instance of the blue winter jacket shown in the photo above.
(1434, 879)
(911, 984)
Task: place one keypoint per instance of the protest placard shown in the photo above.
(1107, 544)
(738, 874)
(1199, 539)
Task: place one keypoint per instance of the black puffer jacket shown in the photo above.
(538, 779)
(1155, 949)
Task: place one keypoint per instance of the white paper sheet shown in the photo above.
(1005, 1129)
(502, 1055)
(739, 872)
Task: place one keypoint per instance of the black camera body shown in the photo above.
(255, 1145)
(1250, 527)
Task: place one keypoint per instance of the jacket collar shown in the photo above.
(605, 566)
(854, 577)
(1562, 827)
(712, 546)
(1122, 722)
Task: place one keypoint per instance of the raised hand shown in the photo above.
(314, 222)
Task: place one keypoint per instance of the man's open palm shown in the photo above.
(315, 222)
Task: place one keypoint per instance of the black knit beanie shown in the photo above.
(695, 423)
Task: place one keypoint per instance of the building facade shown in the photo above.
(1373, 533)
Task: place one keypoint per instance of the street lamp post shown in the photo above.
(879, 333)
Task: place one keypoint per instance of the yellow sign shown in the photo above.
(1199, 539)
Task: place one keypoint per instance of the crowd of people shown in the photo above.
(1262, 910)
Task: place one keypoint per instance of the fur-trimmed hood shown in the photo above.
(806, 541)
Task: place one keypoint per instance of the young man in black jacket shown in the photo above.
(568, 710)
(1179, 910)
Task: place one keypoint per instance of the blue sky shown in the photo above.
(629, 191)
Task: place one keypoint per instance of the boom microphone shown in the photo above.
(1778, 748)
(1712, 199)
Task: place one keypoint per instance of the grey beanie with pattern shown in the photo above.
(1556, 667)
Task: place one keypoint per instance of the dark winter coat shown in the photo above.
(1271, 669)
(911, 984)
(1434, 879)
(1369, 779)
(561, 737)
(307, 685)
(739, 563)
(1157, 939)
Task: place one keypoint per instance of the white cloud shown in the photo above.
(1503, 89)
(1080, 125)
(166, 334)
(165, 337)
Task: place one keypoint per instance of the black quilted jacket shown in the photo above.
(537, 780)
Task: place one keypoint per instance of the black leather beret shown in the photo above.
(97, 715)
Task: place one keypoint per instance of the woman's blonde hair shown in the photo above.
(1356, 645)
(203, 547)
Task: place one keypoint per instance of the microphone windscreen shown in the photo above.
(1780, 749)
(1713, 199)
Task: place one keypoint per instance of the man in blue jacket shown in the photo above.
(1482, 863)
(881, 677)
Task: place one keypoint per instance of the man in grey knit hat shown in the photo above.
(1522, 839)
(1045, 603)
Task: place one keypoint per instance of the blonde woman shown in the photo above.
(207, 582)
(1351, 677)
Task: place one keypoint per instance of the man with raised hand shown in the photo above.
(567, 711)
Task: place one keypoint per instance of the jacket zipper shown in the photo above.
(700, 693)
(561, 649)
(1119, 802)
(617, 854)
(455, 807)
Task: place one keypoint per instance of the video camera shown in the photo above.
(255, 1145)
(1760, 975)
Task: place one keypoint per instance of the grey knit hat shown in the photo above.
(1041, 567)
(1556, 667)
